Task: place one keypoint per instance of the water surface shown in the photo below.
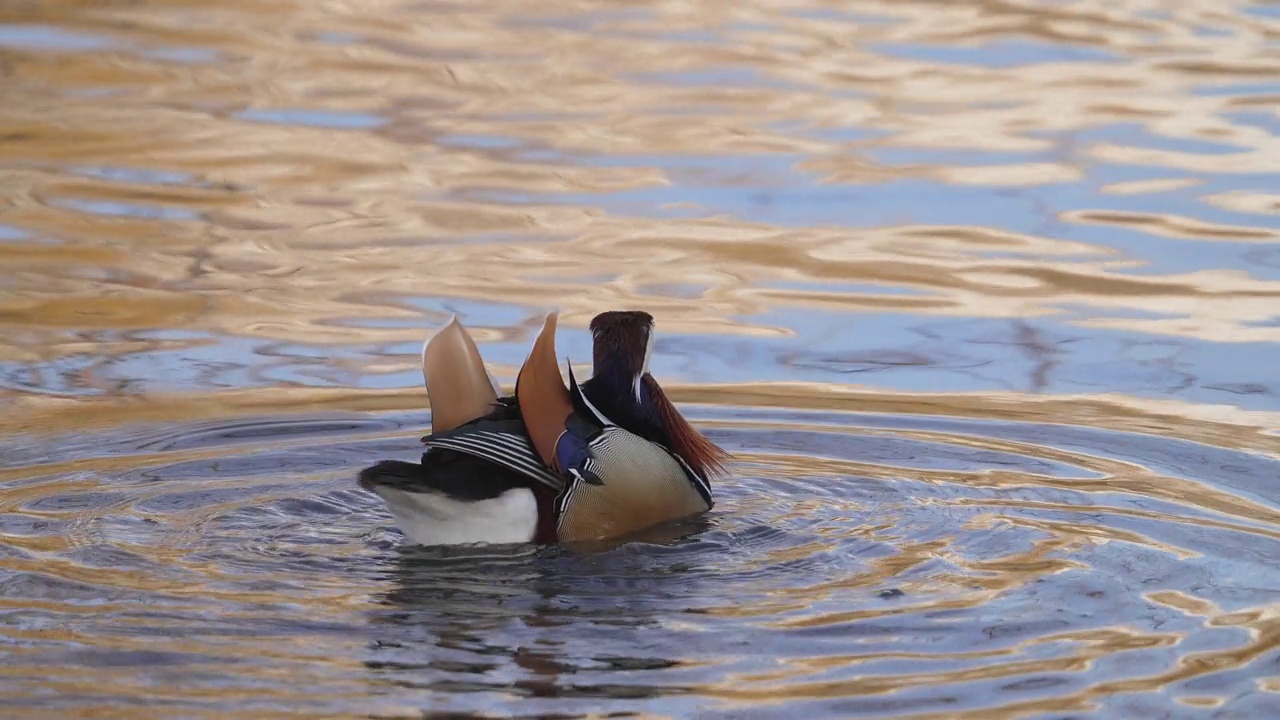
(982, 295)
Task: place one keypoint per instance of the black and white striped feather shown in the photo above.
(500, 442)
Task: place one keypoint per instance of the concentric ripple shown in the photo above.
(983, 295)
(855, 564)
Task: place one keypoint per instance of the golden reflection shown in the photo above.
(1111, 533)
(1173, 226)
(1140, 187)
(1185, 603)
(1089, 646)
(1219, 425)
(1205, 702)
(246, 217)
(1249, 202)
(212, 181)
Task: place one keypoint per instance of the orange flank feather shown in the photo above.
(542, 395)
(458, 387)
(704, 456)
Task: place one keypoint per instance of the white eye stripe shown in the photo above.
(648, 351)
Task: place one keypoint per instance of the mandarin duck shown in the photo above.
(552, 463)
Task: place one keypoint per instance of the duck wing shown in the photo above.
(455, 475)
(499, 438)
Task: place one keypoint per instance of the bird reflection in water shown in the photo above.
(563, 621)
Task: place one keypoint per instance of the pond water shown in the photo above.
(983, 296)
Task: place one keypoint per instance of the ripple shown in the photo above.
(1039, 237)
(870, 563)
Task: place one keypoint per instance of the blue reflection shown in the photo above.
(997, 54)
(313, 118)
(122, 209)
(11, 233)
(45, 37)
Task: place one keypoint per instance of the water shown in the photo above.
(983, 297)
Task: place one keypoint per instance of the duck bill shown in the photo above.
(543, 398)
(459, 388)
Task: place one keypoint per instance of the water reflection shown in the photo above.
(889, 563)
(982, 293)
(270, 180)
(516, 620)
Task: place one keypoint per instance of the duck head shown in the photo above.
(624, 391)
(622, 341)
